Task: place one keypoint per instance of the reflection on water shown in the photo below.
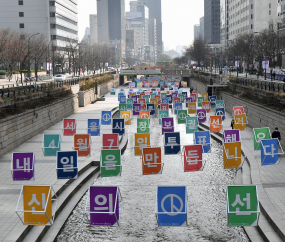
(206, 198)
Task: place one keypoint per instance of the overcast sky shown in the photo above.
(178, 19)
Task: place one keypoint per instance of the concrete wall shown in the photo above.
(257, 115)
(86, 97)
(17, 129)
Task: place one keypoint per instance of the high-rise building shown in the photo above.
(132, 44)
(155, 12)
(197, 31)
(56, 20)
(202, 27)
(93, 29)
(224, 23)
(86, 37)
(212, 21)
(250, 16)
(153, 38)
(111, 23)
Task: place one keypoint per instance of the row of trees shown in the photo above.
(248, 48)
(19, 51)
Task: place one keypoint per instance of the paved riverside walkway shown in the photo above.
(45, 173)
(270, 179)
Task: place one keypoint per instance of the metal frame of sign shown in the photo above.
(142, 161)
(74, 167)
(203, 144)
(145, 145)
(242, 123)
(87, 201)
(174, 213)
(182, 159)
(172, 145)
(121, 170)
(242, 158)
(228, 208)
(31, 169)
(88, 147)
(59, 143)
(54, 202)
(240, 140)
(64, 128)
(253, 134)
(108, 146)
(222, 124)
(265, 154)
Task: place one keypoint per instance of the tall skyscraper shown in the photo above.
(93, 29)
(56, 20)
(202, 27)
(212, 21)
(153, 38)
(197, 31)
(111, 23)
(155, 12)
(224, 23)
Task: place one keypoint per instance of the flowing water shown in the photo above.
(206, 198)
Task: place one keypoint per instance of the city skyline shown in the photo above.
(174, 22)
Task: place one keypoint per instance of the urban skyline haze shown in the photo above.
(177, 22)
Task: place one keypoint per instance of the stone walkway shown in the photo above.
(45, 172)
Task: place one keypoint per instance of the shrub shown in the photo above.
(2, 72)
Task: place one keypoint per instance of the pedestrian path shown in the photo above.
(270, 179)
(45, 172)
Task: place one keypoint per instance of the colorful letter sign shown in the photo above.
(191, 125)
(141, 141)
(37, 205)
(126, 115)
(203, 138)
(220, 112)
(206, 106)
(51, 144)
(232, 135)
(201, 115)
(205, 95)
(94, 127)
(240, 121)
(111, 163)
(216, 124)
(69, 127)
(232, 155)
(144, 114)
(192, 108)
(23, 166)
(113, 91)
(82, 144)
(151, 161)
(200, 100)
(130, 102)
(104, 206)
(162, 114)
(122, 99)
(213, 100)
(141, 101)
(258, 135)
(242, 205)
(189, 100)
(172, 143)
(182, 115)
(238, 110)
(106, 117)
(67, 166)
(164, 106)
(110, 141)
(220, 104)
(269, 152)
(136, 109)
(142, 125)
(118, 126)
(193, 158)
(167, 125)
(172, 206)
(151, 107)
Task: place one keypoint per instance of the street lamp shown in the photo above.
(29, 67)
